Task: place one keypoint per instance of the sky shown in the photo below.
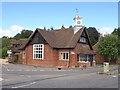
(31, 15)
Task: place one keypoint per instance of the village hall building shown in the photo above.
(65, 47)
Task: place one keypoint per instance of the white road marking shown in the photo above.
(6, 68)
(42, 70)
(34, 70)
(1, 79)
(114, 76)
(27, 70)
(29, 76)
(24, 85)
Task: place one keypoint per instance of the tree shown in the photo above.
(93, 35)
(24, 34)
(108, 46)
(70, 26)
(17, 36)
(117, 32)
(44, 28)
(5, 44)
(48, 29)
(4, 52)
(52, 28)
(63, 26)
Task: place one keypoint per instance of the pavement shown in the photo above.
(4, 61)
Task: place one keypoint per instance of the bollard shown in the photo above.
(106, 67)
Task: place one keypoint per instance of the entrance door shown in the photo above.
(91, 60)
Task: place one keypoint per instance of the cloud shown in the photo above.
(106, 30)
(12, 31)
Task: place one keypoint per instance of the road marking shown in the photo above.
(6, 68)
(27, 70)
(24, 85)
(29, 76)
(34, 70)
(42, 70)
(114, 76)
(1, 79)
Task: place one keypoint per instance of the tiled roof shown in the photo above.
(60, 38)
(15, 45)
(83, 49)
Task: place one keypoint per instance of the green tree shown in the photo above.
(52, 28)
(5, 42)
(93, 35)
(17, 36)
(4, 52)
(108, 46)
(24, 34)
(117, 32)
(70, 26)
(44, 28)
(0, 52)
(63, 26)
(5, 45)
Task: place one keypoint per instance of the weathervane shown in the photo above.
(77, 11)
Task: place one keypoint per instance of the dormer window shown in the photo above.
(83, 39)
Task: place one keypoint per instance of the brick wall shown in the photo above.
(50, 56)
(99, 58)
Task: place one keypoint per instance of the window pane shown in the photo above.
(82, 57)
(66, 55)
(38, 51)
(63, 55)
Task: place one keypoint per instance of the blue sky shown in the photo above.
(30, 15)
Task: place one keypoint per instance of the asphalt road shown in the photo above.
(25, 76)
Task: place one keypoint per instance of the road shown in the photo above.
(25, 76)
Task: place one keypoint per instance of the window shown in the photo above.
(23, 55)
(83, 39)
(85, 57)
(38, 51)
(82, 57)
(64, 55)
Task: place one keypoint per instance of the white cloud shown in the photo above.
(16, 28)
(12, 31)
(106, 30)
(41, 27)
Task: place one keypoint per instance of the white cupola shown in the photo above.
(77, 23)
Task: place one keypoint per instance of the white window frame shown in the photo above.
(83, 39)
(62, 57)
(23, 55)
(81, 59)
(39, 52)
